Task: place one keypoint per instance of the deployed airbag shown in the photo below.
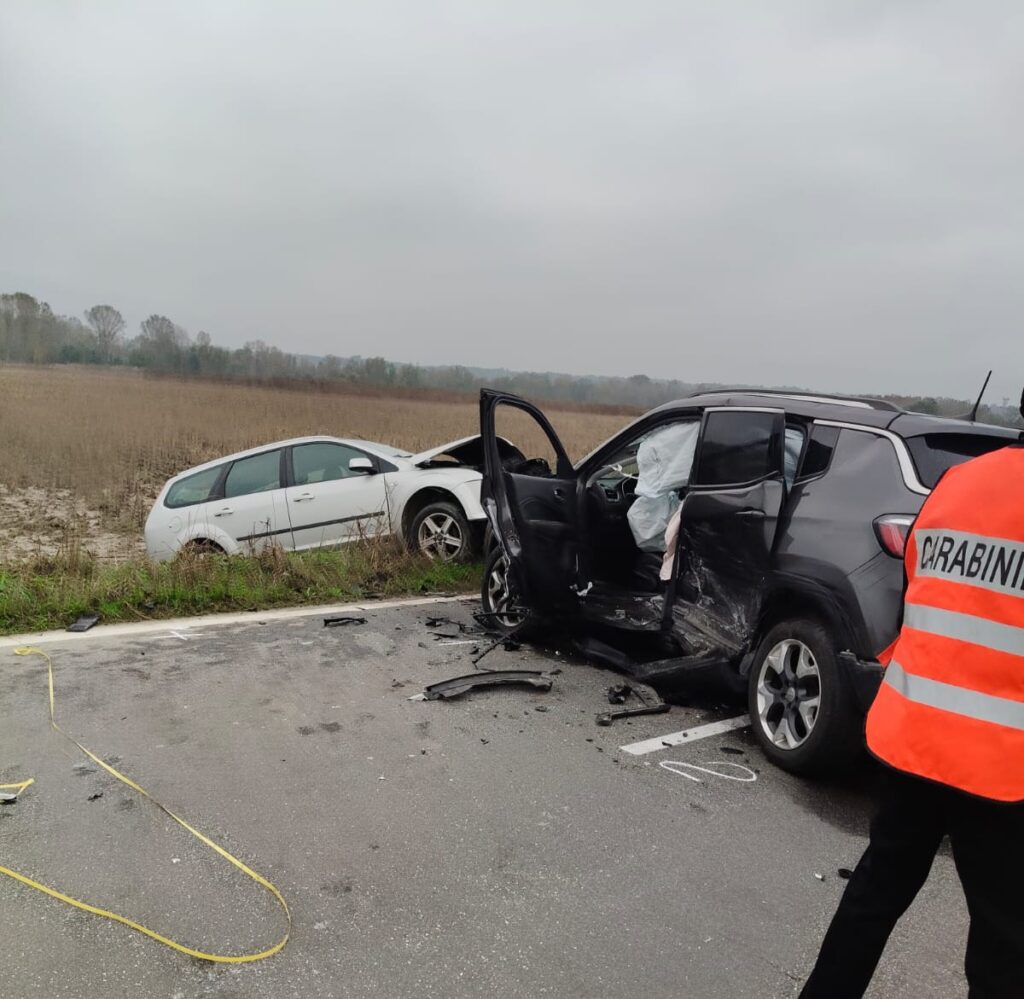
(664, 463)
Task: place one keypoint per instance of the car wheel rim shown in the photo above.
(499, 596)
(788, 694)
(440, 536)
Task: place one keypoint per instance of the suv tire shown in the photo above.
(496, 593)
(441, 530)
(802, 706)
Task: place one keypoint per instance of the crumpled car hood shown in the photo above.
(466, 451)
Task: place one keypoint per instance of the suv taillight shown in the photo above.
(892, 531)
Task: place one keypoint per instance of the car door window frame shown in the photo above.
(357, 453)
(229, 466)
(288, 463)
(779, 446)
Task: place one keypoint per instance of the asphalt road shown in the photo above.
(498, 845)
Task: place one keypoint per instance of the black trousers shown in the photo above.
(988, 848)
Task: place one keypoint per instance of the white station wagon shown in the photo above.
(312, 492)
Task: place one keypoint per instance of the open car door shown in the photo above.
(728, 521)
(532, 508)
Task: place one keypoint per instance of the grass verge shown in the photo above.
(50, 592)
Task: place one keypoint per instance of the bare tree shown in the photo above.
(108, 324)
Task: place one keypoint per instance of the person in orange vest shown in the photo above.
(948, 722)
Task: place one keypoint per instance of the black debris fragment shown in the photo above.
(95, 797)
(541, 707)
(733, 750)
(437, 622)
(618, 693)
(84, 623)
(342, 620)
(845, 873)
(650, 702)
(459, 685)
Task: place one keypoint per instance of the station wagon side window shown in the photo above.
(322, 461)
(258, 474)
(193, 489)
(738, 446)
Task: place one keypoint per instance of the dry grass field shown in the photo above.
(84, 450)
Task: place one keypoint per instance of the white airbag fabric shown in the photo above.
(664, 462)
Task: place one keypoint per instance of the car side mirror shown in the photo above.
(363, 465)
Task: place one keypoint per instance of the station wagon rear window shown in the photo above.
(192, 489)
(934, 454)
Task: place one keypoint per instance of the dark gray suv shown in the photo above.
(761, 533)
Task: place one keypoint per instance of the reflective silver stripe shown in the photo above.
(995, 564)
(965, 628)
(957, 700)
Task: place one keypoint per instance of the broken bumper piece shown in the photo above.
(650, 702)
(459, 685)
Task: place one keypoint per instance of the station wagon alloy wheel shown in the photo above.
(788, 694)
(441, 536)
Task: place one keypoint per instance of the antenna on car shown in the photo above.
(973, 414)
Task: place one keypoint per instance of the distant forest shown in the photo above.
(30, 332)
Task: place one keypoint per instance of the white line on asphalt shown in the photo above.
(686, 736)
(246, 617)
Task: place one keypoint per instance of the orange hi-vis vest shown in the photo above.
(951, 705)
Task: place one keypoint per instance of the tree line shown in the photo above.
(31, 332)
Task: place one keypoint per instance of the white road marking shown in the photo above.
(177, 634)
(681, 768)
(687, 736)
(160, 628)
(467, 642)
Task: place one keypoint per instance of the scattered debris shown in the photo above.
(733, 750)
(341, 620)
(845, 873)
(820, 877)
(459, 685)
(84, 623)
(6, 798)
(541, 707)
(436, 622)
(95, 797)
(650, 700)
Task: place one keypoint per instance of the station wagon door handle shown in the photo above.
(750, 514)
(223, 511)
(558, 494)
(303, 497)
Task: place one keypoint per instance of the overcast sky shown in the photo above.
(818, 193)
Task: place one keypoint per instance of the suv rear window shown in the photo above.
(934, 454)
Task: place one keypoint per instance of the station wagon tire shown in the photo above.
(202, 546)
(441, 530)
(802, 707)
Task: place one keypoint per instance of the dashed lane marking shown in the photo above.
(686, 736)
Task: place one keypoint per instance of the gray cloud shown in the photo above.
(822, 194)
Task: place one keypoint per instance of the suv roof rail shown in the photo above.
(858, 402)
